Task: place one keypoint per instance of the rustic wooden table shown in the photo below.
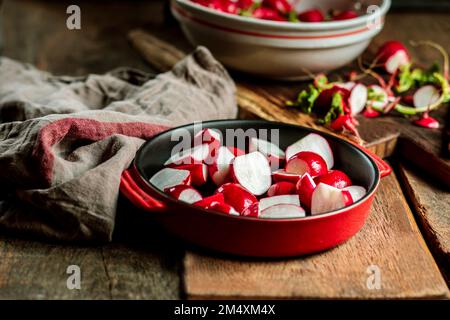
(407, 236)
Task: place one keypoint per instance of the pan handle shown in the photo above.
(382, 165)
(137, 196)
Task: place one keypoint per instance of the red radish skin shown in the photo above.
(281, 188)
(281, 175)
(346, 15)
(370, 113)
(252, 171)
(222, 207)
(265, 203)
(244, 4)
(346, 85)
(325, 97)
(184, 193)
(197, 154)
(219, 170)
(252, 210)
(199, 172)
(283, 211)
(169, 177)
(326, 198)
(282, 6)
(334, 178)
(392, 55)
(267, 14)
(305, 188)
(205, 202)
(306, 162)
(425, 96)
(358, 98)
(356, 192)
(314, 143)
(236, 196)
(236, 151)
(270, 150)
(208, 136)
(427, 122)
(313, 15)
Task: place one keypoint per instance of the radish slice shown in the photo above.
(197, 154)
(252, 210)
(284, 199)
(326, 198)
(236, 196)
(314, 143)
(199, 172)
(358, 98)
(169, 177)
(378, 98)
(270, 150)
(252, 171)
(306, 162)
(356, 192)
(205, 202)
(282, 211)
(280, 188)
(282, 175)
(425, 96)
(393, 55)
(334, 178)
(305, 188)
(220, 168)
(184, 193)
(222, 207)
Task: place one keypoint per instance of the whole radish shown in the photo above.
(345, 15)
(267, 14)
(313, 15)
(392, 55)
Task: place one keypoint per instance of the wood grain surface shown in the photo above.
(389, 240)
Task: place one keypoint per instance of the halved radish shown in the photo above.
(306, 162)
(236, 196)
(305, 188)
(252, 171)
(169, 177)
(205, 202)
(377, 98)
(280, 188)
(427, 121)
(356, 192)
(314, 143)
(252, 210)
(222, 207)
(271, 151)
(358, 98)
(282, 211)
(334, 178)
(282, 175)
(199, 172)
(219, 170)
(283, 199)
(326, 198)
(236, 151)
(184, 193)
(197, 154)
(392, 55)
(324, 100)
(208, 136)
(425, 96)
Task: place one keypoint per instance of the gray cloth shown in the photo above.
(64, 142)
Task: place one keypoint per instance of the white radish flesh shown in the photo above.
(306, 162)
(184, 193)
(284, 199)
(220, 168)
(197, 154)
(358, 98)
(397, 60)
(326, 198)
(169, 177)
(356, 192)
(199, 172)
(282, 211)
(270, 150)
(282, 175)
(314, 143)
(252, 171)
(425, 96)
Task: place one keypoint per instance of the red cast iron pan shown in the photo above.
(245, 235)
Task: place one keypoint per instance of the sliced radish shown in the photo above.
(392, 55)
(305, 188)
(219, 170)
(236, 151)
(205, 202)
(222, 207)
(356, 192)
(169, 177)
(252, 171)
(326, 198)
(334, 178)
(199, 172)
(378, 98)
(236, 196)
(425, 96)
(271, 151)
(358, 98)
(314, 143)
(306, 162)
(197, 154)
(184, 193)
(252, 210)
(284, 199)
(282, 211)
(280, 188)
(282, 175)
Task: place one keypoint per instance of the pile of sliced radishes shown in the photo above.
(231, 181)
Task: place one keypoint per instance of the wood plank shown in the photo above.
(389, 240)
(431, 204)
